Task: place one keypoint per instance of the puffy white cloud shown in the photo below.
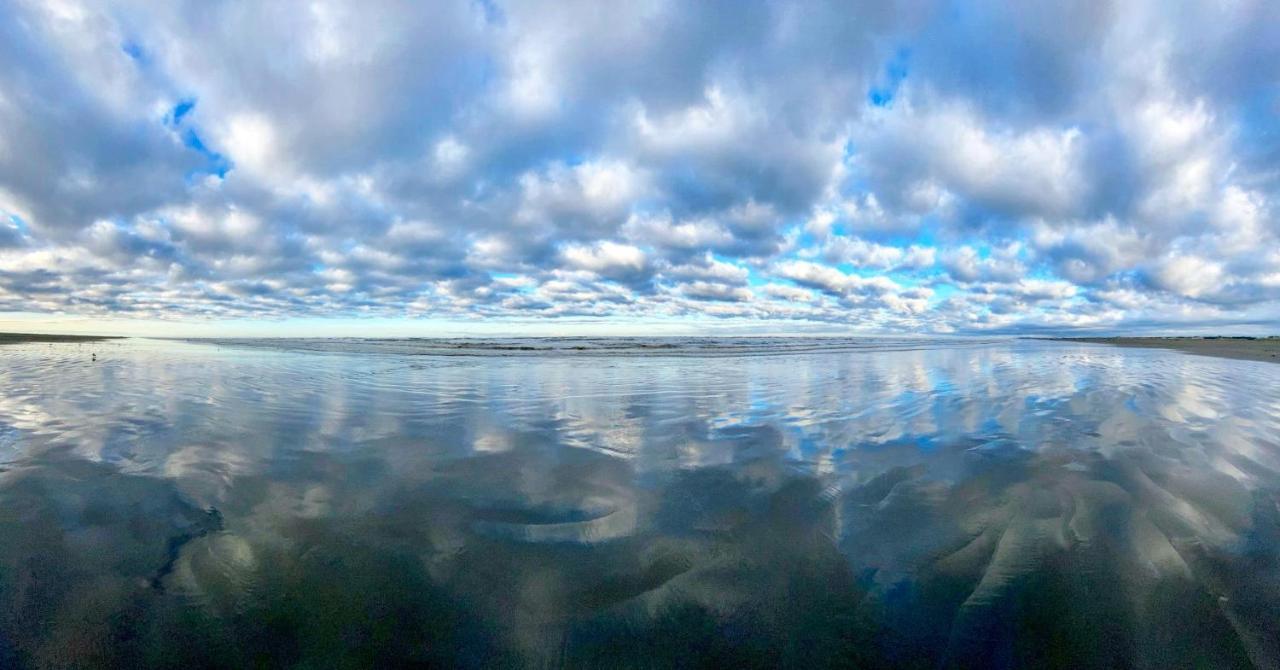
(661, 231)
(965, 264)
(608, 259)
(701, 290)
(862, 253)
(1187, 275)
(832, 280)
(913, 150)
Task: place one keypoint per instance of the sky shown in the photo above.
(486, 167)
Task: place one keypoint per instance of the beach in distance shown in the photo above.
(636, 502)
(25, 338)
(1249, 348)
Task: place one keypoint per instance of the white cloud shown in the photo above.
(1187, 275)
(605, 258)
(861, 253)
(832, 280)
(966, 264)
(919, 150)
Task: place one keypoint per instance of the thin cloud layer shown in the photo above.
(916, 166)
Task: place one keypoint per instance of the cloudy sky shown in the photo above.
(221, 167)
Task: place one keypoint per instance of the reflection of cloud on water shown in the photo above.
(82, 547)
(1150, 547)
(205, 471)
(491, 441)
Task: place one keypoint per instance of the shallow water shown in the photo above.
(652, 503)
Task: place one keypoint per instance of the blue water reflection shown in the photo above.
(901, 504)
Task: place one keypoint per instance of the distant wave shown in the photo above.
(599, 346)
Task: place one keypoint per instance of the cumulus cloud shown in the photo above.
(889, 166)
(622, 262)
(966, 264)
(914, 148)
(854, 288)
(862, 253)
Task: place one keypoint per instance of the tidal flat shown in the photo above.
(637, 503)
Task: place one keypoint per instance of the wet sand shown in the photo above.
(25, 338)
(1245, 348)
(907, 504)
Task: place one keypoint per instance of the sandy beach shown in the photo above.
(1246, 348)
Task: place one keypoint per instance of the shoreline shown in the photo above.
(1243, 348)
(1266, 349)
